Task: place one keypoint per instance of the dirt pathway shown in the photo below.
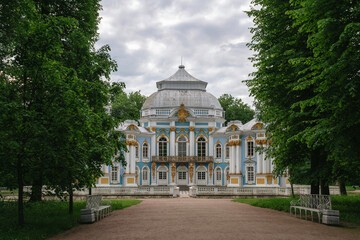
(189, 218)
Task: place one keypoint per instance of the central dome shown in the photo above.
(181, 88)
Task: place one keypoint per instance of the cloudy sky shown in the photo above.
(149, 37)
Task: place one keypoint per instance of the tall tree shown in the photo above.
(235, 109)
(55, 128)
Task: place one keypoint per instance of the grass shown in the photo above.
(349, 206)
(44, 219)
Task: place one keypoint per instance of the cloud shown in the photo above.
(148, 38)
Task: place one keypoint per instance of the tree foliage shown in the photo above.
(55, 130)
(235, 109)
(125, 106)
(307, 84)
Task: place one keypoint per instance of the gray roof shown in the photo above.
(173, 98)
(181, 88)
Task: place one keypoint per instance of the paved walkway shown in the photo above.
(189, 218)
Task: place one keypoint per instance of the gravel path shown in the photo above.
(189, 218)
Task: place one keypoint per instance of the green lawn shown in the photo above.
(45, 219)
(349, 206)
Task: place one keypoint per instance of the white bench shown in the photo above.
(320, 204)
(94, 211)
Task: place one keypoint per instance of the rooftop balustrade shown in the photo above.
(182, 159)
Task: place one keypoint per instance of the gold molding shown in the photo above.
(173, 171)
(153, 129)
(182, 113)
(210, 169)
(210, 129)
(191, 171)
(192, 129)
(172, 129)
(153, 167)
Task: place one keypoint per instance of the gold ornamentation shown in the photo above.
(172, 129)
(218, 142)
(210, 129)
(257, 126)
(147, 128)
(130, 181)
(136, 177)
(269, 179)
(211, 169)
(182, 113)
(261, 135)
(249, 138)
(153, 167)
(192, 129)
(237, 143)
(153, 129)
(232, 128)
(234, 181)
(173, 167)
(260, 181)
(132, 128)
(104, 181)
(191, 169)
(275, 181)
(287, 181)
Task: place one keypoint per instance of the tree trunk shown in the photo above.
(292, 189)
(342, 189)
(21, 193)
(89, 190)
(71, 201)
(36, 189)
(314, 176)
(324, 188)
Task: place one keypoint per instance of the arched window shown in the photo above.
(145, 174)
(137, 151)
(145, 150)
(227, 151)
(218, 174)
(114, 174)
(218, 150)
(201, 147)
(162, 147)
(181, 146)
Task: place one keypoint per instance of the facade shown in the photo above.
(182, 141)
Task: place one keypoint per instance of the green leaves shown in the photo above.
(235, 109)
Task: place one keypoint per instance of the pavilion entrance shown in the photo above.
(182, 175)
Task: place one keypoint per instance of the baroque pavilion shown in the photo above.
(181, 140)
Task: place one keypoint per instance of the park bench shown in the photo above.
(314, 203)
(94, 211)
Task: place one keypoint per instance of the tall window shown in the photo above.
(145, 150)
(250, 149)
(250, 174)
(201, 147)
(182, 146)
(145, 174)
(162, 175)
(137, 151)
(162, 147)
(201, 175)
(218, 150)
(227, 151)
(218, 174)
(114, 174)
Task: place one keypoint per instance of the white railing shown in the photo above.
(131, 191)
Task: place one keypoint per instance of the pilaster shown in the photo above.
(192, 138)
(172, 138)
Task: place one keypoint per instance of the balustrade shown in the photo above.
(182, 159)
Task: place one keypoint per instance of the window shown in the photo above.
(145, 174)
(218, 174)
(114, 174)
(250, 149)
(182, 175)
(218, 150)
(201, 175)
(218, 113)
(201, 112)
(162, 111)
(162, 175)
(145, 150)
(162, 147)
(227, 151)
(250, 174)
(137, 151)
(201, 147)
(182, 146)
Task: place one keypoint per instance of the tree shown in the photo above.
(305, 54)
(55, 128)
(235, 109)
(125, 106)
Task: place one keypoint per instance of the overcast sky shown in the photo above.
(148, 38)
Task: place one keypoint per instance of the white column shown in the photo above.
(172, 138)
(211, 145)
(259, 162)
(153, 145)
(132, 159)
(232, 159)
(127, 159)
(238, 159)
(191, 135)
